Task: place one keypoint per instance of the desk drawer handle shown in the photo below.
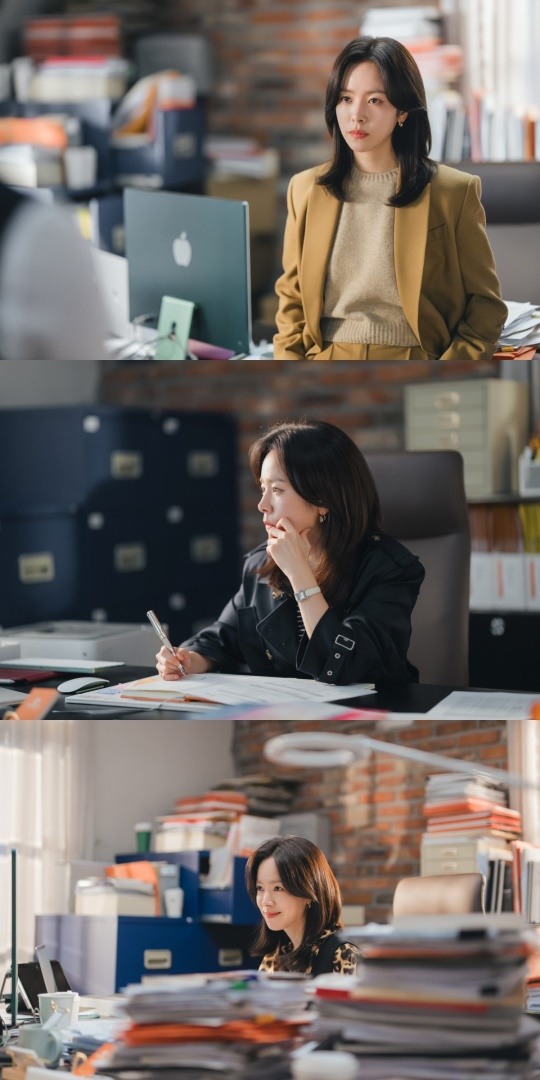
(448, 398)
(448, 420)
(157, 959)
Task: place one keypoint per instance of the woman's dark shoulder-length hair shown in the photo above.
(303, 871)
(404, 88)
(326, 468)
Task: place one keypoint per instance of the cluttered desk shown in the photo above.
(192, 1025)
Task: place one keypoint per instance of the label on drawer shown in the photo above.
(157, 959)
(205, 549)
(129, 558)
(203, 463)
(126, 464)
(36, 568)
(230, 958)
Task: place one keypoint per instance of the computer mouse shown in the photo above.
(78, 686)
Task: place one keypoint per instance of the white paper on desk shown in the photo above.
(239, 690)
(54, 663)
(492, 705)
(10, 697)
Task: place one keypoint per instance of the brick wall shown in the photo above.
(374, 807)
(273, 58)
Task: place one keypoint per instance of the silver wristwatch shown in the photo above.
(304, 593)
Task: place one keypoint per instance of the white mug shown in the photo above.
(63, 1001)
(174, 902)
(80, 166)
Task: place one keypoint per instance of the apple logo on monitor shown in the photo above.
(182, 251)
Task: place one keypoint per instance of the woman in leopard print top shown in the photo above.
(290, 881)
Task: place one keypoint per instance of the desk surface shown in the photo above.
(410, 697)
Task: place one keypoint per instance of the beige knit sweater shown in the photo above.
(361, 301)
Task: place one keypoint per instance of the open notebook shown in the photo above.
(211, 690)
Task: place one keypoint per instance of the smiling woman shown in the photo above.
(385, 254)
(292, 884)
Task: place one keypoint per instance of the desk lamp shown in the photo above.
(321, 749)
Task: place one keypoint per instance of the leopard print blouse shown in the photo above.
(343, 962)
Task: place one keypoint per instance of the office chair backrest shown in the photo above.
(511, 200)
(440, 894)
(424, 505)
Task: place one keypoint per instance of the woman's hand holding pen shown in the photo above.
(168, 664)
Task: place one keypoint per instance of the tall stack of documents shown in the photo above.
(457, 803)
(234, 1026)
(435, 997)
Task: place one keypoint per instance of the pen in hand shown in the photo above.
(156, 625)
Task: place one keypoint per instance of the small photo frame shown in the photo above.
(174, 327)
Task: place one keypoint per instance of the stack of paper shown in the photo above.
(522, 326)
(438, 998)
(205, 692)
(457, 803)
(205, 1025)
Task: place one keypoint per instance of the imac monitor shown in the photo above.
(192, 247)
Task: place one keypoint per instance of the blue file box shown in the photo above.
(131, 558)
(102, 954)
(173, 159)
(133, 508)
(39, 566)
(108, 457)
(201, 904)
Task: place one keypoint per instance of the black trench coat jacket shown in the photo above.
(366, 641)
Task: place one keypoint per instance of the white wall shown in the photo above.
(141, 765)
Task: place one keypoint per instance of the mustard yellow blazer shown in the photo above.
(445, 271)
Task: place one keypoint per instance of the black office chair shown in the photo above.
(440, 894)
(424, 505)
(511, 200)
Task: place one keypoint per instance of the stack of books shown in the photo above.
(236, 1025)
(266, 796)
(435, 998)
(456, 804)
(199, 822)
(526, 880)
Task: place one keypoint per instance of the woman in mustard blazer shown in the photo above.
(385, 251)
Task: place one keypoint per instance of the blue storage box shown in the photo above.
(108, 457)
(131, 557)
(39, 566)
(173, 159)
(102, 954)
(231, 904)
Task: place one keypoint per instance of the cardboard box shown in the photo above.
(261, 194)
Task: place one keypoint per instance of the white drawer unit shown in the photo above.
(458, 854)
(486, 420)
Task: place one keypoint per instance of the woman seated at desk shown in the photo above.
(290, 881)
(327, 595)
